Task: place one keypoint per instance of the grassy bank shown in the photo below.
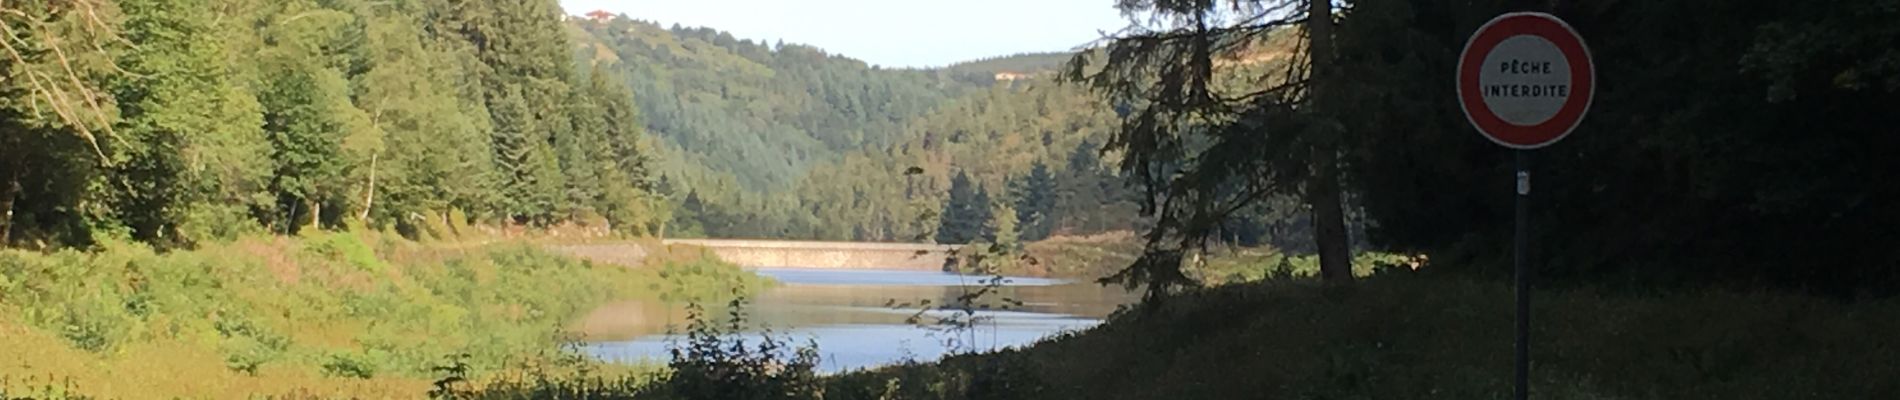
(1096, 256)
(1389, 337)
(1416, 338)
(1079, 257)
(332, 314)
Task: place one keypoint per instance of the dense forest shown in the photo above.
(176, 122)
(180, 122)
(786, 141)
(1739, 144)
(754, 114)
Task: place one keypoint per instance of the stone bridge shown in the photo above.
(832, 255)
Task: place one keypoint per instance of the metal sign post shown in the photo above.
(1525, 80)
(1519, 243)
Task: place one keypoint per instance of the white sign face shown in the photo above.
(1525, 80)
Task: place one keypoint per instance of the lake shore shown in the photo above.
(335, 314)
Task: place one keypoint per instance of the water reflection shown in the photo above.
(858, 318)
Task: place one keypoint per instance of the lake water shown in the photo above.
(858, 318)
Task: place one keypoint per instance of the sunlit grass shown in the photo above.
(1416, 337)
(1096, 256)
(334, 314)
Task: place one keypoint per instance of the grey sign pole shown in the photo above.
(1520, 243)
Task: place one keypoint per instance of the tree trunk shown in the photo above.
(8, 192)
(369, 200)
(1329, 219)
(316, 215)
(1323, 192)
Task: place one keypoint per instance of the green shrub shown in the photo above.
(216, 222)
(434, 226)
(458, 222)
(86, 334)
(7, 284)
(705, 280)
(715, 362)
(350, 365)
(245, 354)
(247, 346)
(344, 247)
(94, 323)
(1241, 265)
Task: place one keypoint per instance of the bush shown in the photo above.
(458, 223)
(435, 227)
(213, 222)
(716, 363)
(704, 279)
(246, 354)
(1241, 265)
(350, 365)
(344, 247)
(86, 334)
(247, 346)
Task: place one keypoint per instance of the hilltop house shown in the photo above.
(1011, 76)
(600, 15)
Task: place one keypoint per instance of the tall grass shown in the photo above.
(1096, 256)
(1396, 335)
(332, 312)
(39, 388)
(1419, 338)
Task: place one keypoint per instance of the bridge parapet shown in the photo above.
(830, 255)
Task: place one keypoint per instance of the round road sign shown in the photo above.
(1525, 80)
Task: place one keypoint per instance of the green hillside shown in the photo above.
(756, 113)
(1025, 62)
(784, 140)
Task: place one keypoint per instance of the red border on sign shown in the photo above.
(1582, 80)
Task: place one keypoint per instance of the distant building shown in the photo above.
(1011, 76)
(600, 16)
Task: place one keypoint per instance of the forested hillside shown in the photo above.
(1022, 64)
(752, 113)
(177, 121)
(787, 141)
(999, 138)
(900, 192)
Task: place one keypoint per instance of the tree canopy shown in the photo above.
(179, 120)
(1734, 147)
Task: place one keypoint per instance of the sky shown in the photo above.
(890, 33)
